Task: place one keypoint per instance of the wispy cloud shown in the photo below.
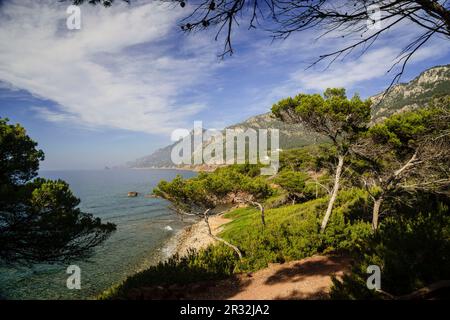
(349, 73)
(129, 68)
(121, 70)
(357, 69)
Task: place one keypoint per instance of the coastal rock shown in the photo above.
(132, 194)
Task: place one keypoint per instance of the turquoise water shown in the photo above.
(142, 231)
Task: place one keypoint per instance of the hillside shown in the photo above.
(404, 96)
(158, 159)
(407, 96)
(291, 136)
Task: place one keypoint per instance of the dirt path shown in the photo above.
(308, 278)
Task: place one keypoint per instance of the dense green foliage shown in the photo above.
(212, 263)
(406, 152)
(309, 158)
(402, 132)
(39, 218)
(292, 231)
(333, 115)
(19, 158)
(208, 190)
(296, 184)
(411, 244)
(412, 249)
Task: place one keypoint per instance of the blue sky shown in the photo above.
(114, 90)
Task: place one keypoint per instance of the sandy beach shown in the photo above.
(196, 236)
(308, 278)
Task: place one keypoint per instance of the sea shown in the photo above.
(144, 228)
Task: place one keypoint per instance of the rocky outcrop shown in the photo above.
(431, 83)
(434, 82)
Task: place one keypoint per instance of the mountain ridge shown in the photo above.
(401, 97)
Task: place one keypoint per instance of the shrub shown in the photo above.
(279, 198)
(214, 262)
(412, 250)
(294, 183)
(292, 232)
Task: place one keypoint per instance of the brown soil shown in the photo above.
(308, 278)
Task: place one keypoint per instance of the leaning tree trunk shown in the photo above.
(392, 180)
(334, 193)
(423, 293)
(261, 209)
(236, 249)
(376, 212)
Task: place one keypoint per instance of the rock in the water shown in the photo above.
(133, 194)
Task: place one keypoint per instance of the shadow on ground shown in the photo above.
(306, 268)
(309, 278)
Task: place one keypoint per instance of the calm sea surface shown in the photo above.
(144, 225)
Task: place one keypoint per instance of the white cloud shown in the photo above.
(127, 68)
(351, 73)
(346, 74)
(119, 71)
(50, 115)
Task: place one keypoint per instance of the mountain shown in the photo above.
(431, 83)
(401, 97)
(158, 159)
(291, 136)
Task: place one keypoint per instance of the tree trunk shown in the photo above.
(261, 209)
(236, 249)
(263, 219)
(333, 193)
(423, 293)
(376, 212)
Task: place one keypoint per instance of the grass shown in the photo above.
(291, 233)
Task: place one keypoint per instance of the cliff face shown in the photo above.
(431, 83)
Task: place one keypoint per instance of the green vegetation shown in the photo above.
(227, 186)
(39, 219)
(292, 231)
(403, 161)
(412, 249)
(295, 183)
(332, 115)
(406, 152)
(213, 263)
